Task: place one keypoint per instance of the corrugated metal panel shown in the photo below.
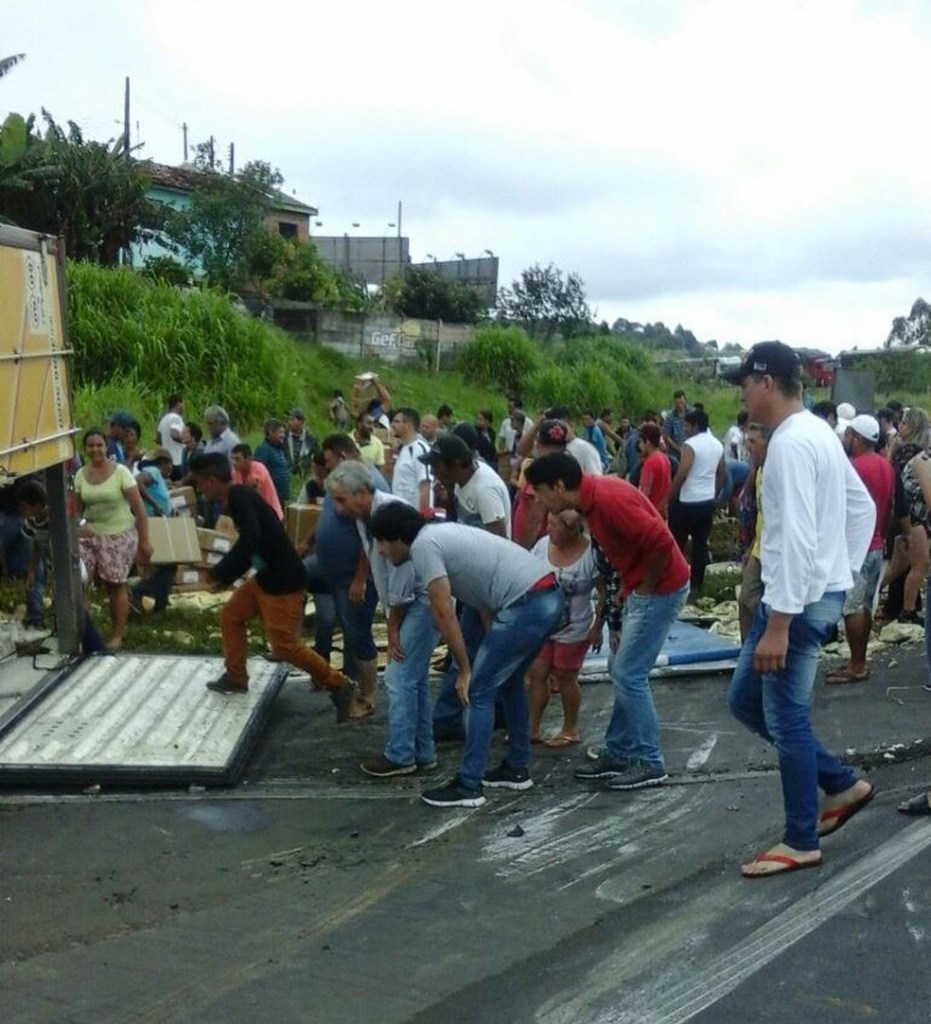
(136, 720)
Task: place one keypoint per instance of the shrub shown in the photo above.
(499, 356)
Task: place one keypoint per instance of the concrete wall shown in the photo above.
(390, 338)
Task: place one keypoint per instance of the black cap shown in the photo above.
(770, 357)
(468, 433)
(448, 448)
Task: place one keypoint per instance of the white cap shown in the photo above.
(842, 424)
(846, 411)
(866, 427)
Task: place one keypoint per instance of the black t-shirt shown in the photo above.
(262, 545)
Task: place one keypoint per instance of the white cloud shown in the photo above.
(719, 163)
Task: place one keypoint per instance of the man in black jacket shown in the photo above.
(276, 593)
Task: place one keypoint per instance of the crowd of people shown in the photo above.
(522, 548)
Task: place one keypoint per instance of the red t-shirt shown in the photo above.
(631, 533)
(656, 478)
(878, 477)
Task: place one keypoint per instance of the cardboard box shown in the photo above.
(225, 524)
(299, 520)
(212, 540)
(191, 575)
(183, 500)
(208, 559)
(173, 540)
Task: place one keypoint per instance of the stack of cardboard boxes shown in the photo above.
(179, 541)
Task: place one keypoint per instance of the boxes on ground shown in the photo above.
(183, 501)
(189, 578)
(213, 540)
(173, 540)
(299, 520)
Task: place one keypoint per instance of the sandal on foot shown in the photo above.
(831, 820)
(783, 863)
(845, 674)
(916, 806)
(561, 740)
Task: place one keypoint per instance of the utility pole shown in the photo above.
(212, 161)
(400, 268)
(184, 130)
(126, 142)
(232, 158)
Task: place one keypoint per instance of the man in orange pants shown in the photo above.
(276, 593)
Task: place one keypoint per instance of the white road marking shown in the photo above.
(668, 999)
(701, 755)
(445, 826)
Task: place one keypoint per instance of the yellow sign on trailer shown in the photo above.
(36, 425)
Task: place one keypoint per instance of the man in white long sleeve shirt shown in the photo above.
(817, 525)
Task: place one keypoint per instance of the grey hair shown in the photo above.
(350, 476)
(216, 414)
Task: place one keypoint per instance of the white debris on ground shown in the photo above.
(721, 617)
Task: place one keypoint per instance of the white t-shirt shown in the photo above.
(171, 420)
(819, 515)
(577, 582)
(699, 485)
(508, 434)
(484, 499)
(409, 472)
(586, 455)
(734, 444)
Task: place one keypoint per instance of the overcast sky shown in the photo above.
(749, 169)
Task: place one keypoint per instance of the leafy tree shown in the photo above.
(915, 329)
(8, 63)
(425, 294)
(224, 226)
(545, 303)
(302, 274)
(90, 193)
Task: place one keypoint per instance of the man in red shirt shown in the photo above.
(248, 471)
(876, 472)
(655, 584)
(655, 467)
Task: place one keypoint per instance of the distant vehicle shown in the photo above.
(724, 364)
(820, 370)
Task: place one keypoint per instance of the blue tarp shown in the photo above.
(688, 649)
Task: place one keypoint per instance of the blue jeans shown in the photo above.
(776, 706)
(448, 708)
(15, 546)
(355, 618)
(410, 715)
(35, 609)
(633, 732)
(512, 642)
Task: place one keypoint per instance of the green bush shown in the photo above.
(499, 356)
(151, 338)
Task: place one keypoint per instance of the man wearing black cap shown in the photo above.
(299, 443)
(482, 497)
(817, 526)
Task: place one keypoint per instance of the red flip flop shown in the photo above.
(830, 821)
(786, 864)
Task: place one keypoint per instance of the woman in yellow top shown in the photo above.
(114, 531)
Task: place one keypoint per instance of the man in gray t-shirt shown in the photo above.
(521, 605)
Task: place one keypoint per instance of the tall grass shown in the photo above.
(136, 341)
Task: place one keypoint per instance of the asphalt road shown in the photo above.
(310, 893)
